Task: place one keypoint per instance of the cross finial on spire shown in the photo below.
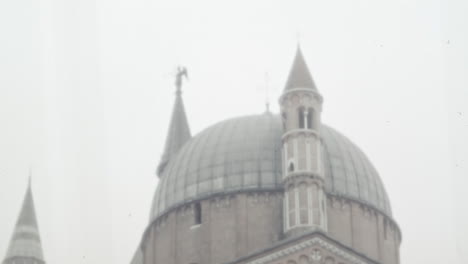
(181, 72)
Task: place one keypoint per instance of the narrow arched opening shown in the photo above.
(303, 204)
(301, 117)
(197, 214)
(310, 118)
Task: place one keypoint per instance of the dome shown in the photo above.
(244, 154)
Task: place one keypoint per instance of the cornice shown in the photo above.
(315, 94)
(314, 241)
(299, 131)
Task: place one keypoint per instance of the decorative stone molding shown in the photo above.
(305, 95)
(309, 133)
(315, 255)
(294, 177)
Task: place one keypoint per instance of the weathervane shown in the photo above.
(181, 72)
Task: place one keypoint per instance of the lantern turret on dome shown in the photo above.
(303, 172)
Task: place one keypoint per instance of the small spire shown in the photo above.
(179, 130)
(25, 244)
(299, 75)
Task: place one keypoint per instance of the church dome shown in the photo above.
(244, 154)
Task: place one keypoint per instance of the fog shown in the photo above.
(87, 87)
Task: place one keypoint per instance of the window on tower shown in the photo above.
(303, 204)
(283, 115)
(385, 223)
(291, 167)
(291, 203)
(301, 117)
(310, 118)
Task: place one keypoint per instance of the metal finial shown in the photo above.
(181, 72)
(267, 94)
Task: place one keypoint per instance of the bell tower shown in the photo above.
(303, 173)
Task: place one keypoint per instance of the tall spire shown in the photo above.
(179, 130)
(299, 76)
(25, 244)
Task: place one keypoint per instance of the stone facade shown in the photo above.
(232, 227)
(241, 224)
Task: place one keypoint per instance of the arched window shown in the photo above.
(300, 114)
(284, 120)
(292, 206)
(310, 118)
(315, 205)
(291, 167)
(197, 214)
(385, 228)
(303, 204)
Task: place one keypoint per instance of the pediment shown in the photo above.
(314, 249)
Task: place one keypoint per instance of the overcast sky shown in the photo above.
(86, 92)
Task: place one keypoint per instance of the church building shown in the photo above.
(269, 188)
(259, 189)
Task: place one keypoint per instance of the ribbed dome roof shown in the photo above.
(244, 153)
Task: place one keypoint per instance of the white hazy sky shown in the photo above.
(86, 92)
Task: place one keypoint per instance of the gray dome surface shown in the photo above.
(244, 153)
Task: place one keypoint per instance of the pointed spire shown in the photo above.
(299, 76)
(179, 130)
(25, 244)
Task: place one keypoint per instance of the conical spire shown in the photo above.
(178, 133)
(299, 76)
(25, 245)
